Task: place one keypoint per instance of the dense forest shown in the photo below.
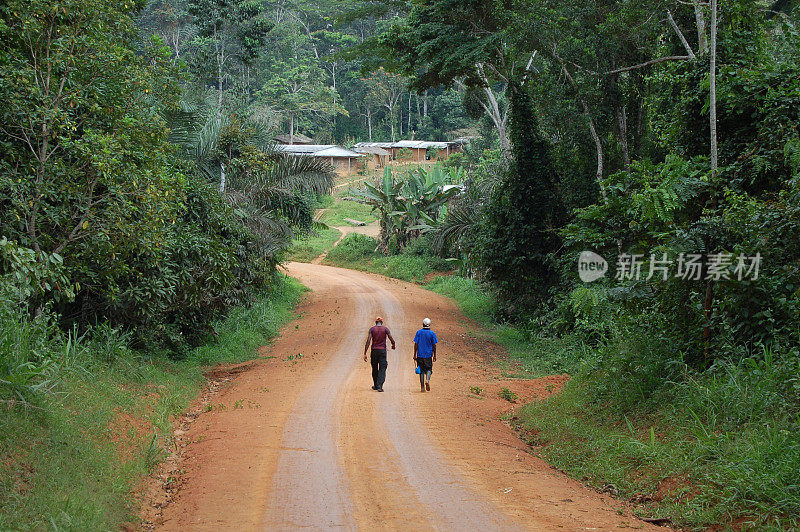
(142, 198)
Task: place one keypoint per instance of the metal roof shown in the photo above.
(303, 148)
(317, 150)
(374, 144)
(374, 150)
(414, 144)
(336, 151)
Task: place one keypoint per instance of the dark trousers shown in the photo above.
(379, 364)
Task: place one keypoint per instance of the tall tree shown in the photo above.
(74, 116)
(523, 214)
(232, 32)
(298, 89)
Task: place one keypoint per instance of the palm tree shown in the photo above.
(269, 189)
(273, 194)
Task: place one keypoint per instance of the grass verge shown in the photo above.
(716, 449)
(340, 208)
(357, 252)
(72, 458)
(308, 247)
(535, 355)
(719, 449)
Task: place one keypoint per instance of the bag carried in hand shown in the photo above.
(417, 370)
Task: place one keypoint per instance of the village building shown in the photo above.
(297, 138)
(371, 154)
(343, 160)
(377, 157)
(416, 150)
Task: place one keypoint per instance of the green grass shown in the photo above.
(712, 448)
(308, 247)
(474, 302)
(71, 459)
(536, 355)
(323, 202)
(357, 252)
(342, 209)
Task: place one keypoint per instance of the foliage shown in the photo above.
(284, 65)
(273, 190)
(414, 264)
(298, 89)
(98, 201)
(676, 381)
(32, 279)
(71, 460)
(310, 246)
(507, 395)
(522, 217)
(707, 447)
(407, 207)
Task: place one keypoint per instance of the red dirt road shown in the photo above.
(303, 442)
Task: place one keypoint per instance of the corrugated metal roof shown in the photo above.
(336, 151)
(317, 150)
(408, 144)
(375, 150)
(374, 144)
(414, 144)
(303, 148)
(436, 145)
(420, 144)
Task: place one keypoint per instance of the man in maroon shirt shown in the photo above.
(377, 335)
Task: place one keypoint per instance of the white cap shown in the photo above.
(426, 322)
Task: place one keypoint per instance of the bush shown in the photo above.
(455, 160)
(353, 248)
(412, 264)
(727, 435)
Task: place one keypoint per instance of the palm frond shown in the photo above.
(461, 221)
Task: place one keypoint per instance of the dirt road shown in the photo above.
(301, 441)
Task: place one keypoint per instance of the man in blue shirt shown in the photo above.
(425, 353)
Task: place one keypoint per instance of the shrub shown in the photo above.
(353, 248)
(507, 395)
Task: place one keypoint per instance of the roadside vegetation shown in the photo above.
(141, 224)
(312, 244)
(695, 447)
(87, 418)
(699, 448)
(341, 208)
(413, 264)
(535, 355)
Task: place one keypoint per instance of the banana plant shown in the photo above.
(409, 206)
